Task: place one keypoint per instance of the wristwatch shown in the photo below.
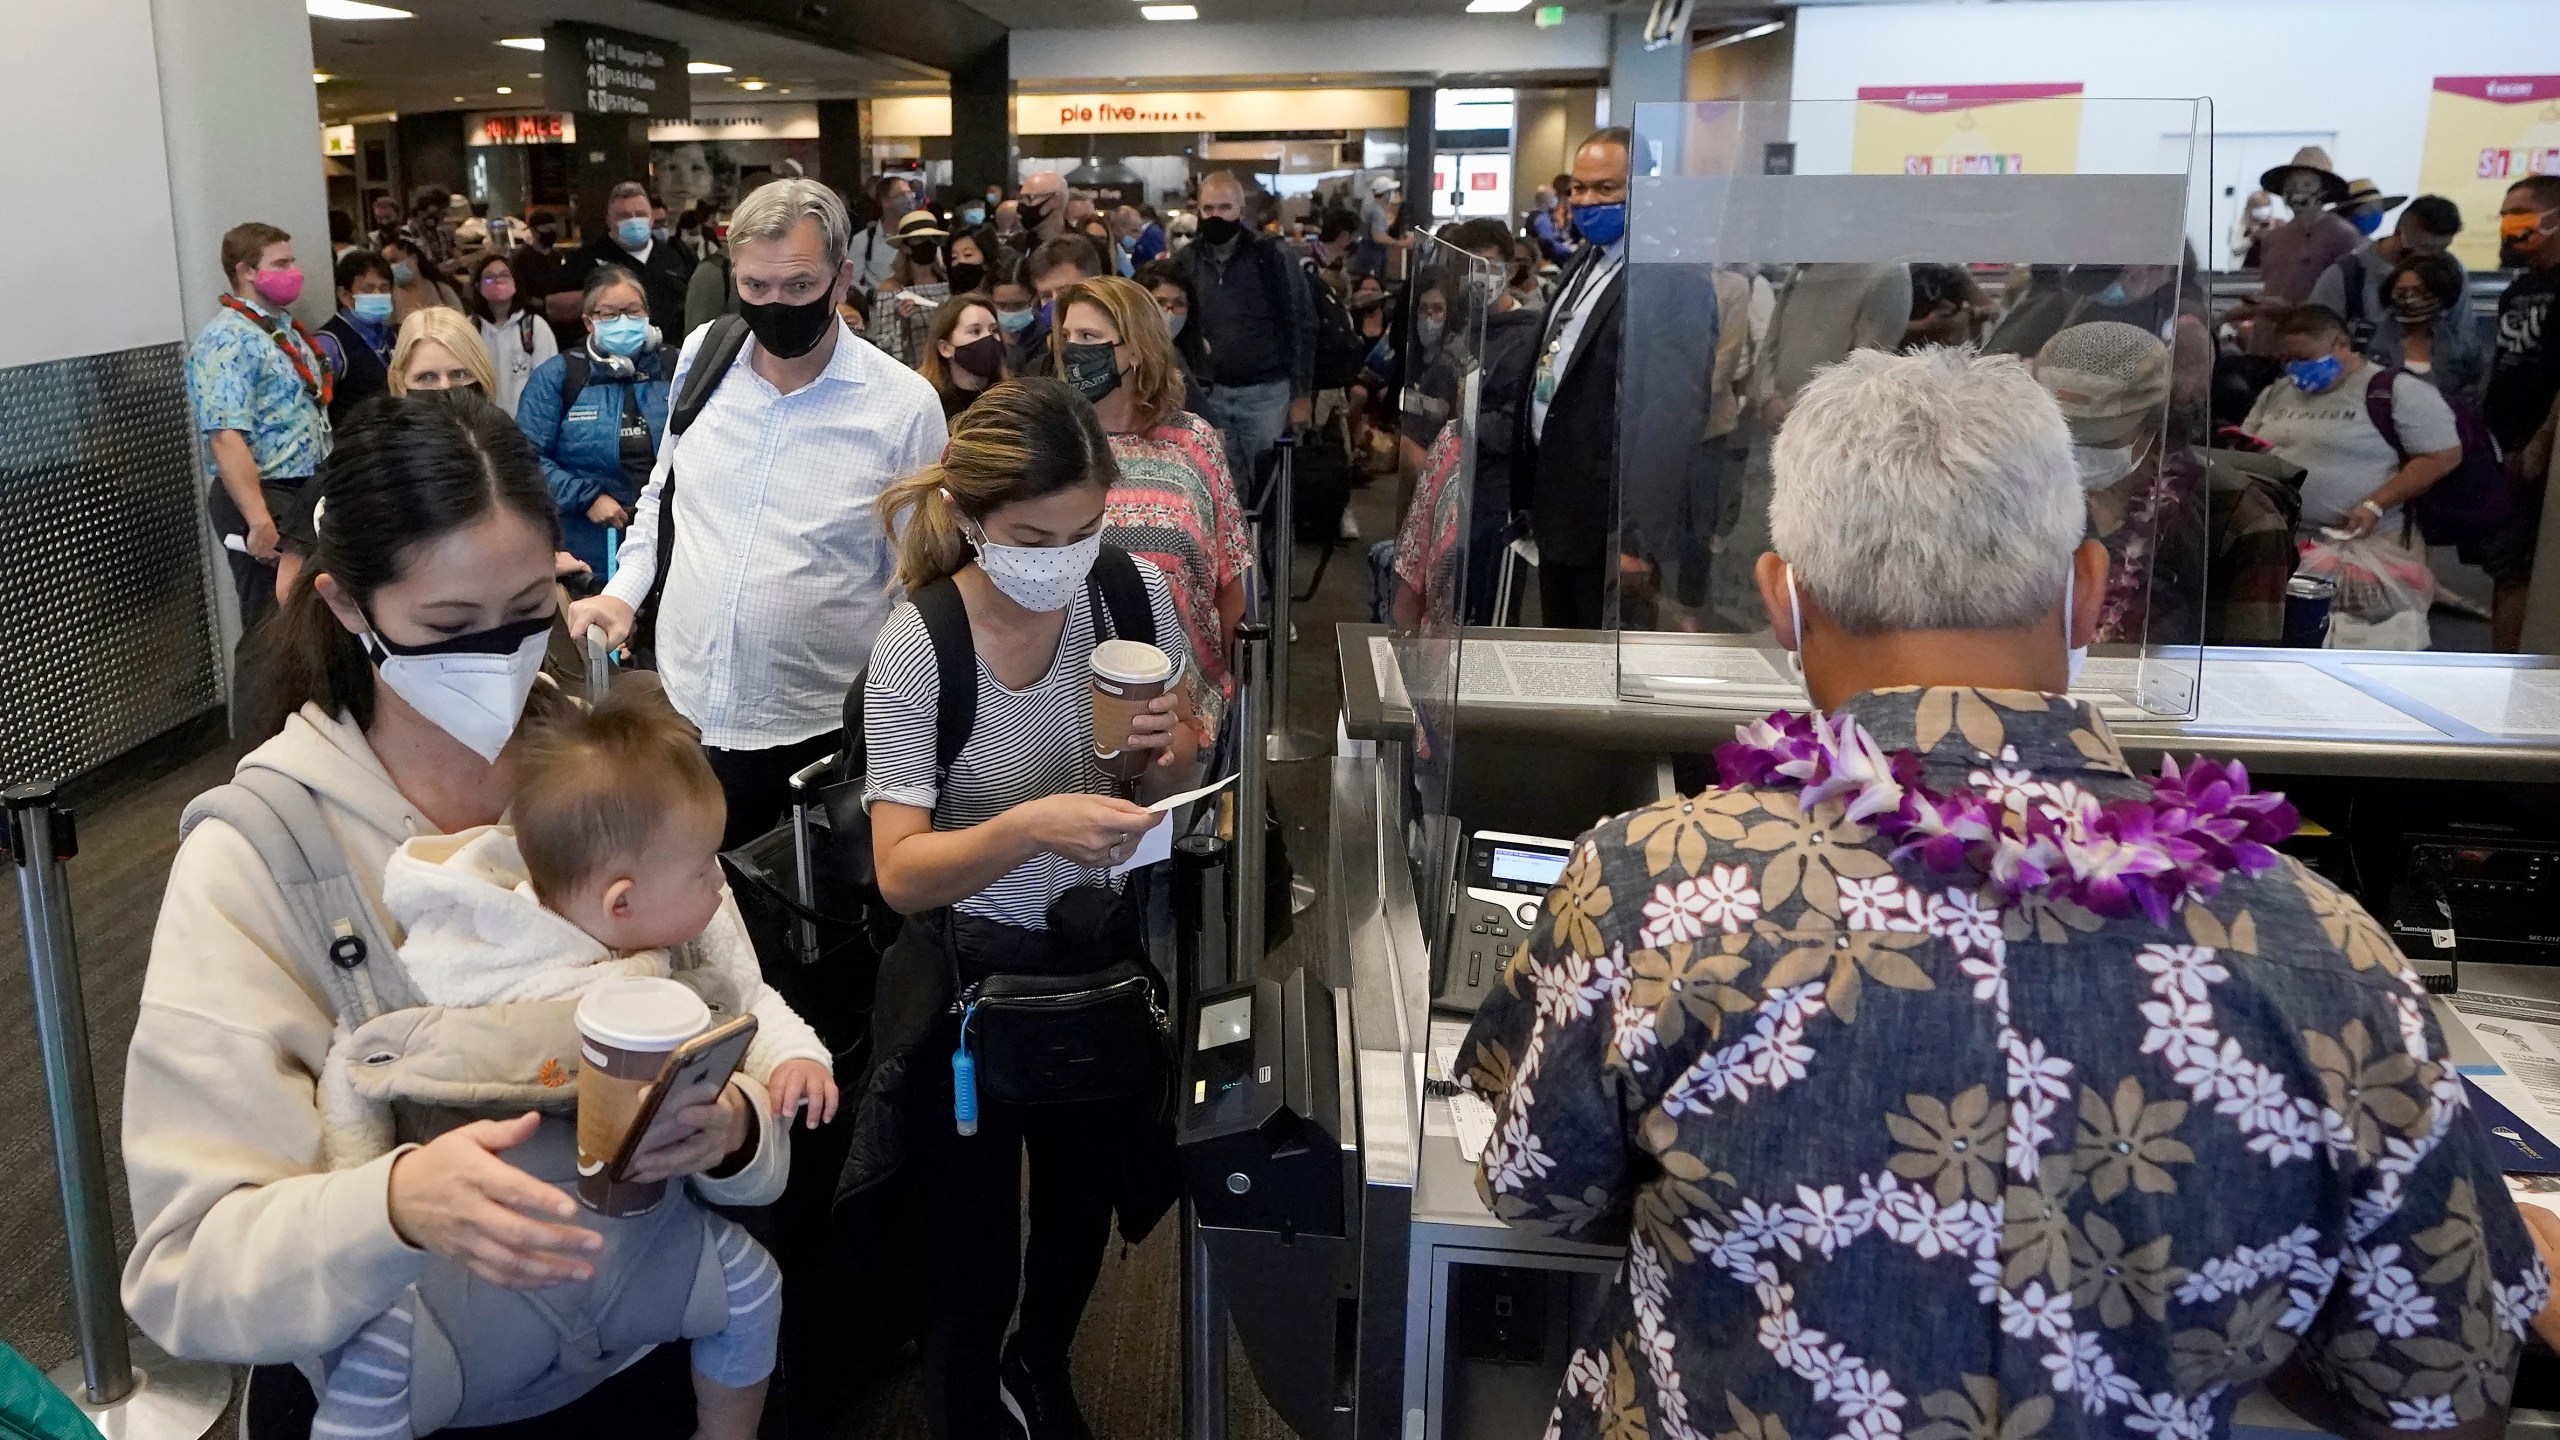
(2369, 505)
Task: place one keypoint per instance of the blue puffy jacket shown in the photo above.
(582, 450)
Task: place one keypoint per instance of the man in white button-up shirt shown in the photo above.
(780, 571)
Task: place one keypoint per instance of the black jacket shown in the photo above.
(1256, 320)
(664, 275)
(1653, 404)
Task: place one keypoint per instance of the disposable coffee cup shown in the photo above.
(626, 1030)
(1126, 675)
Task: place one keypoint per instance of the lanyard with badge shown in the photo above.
(1585, 285)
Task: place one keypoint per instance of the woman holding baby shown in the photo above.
(329, 1152)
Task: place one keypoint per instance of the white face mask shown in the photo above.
(472, 687)
(2102, 466)
(1039, 578)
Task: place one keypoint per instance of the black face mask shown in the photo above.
(546, 233)
(982, 357)
(924, 252)
(1032, 210)
(965, 278)
(1218, 229)
(790, 331)
(1093, 369)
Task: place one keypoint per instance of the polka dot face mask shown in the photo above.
(1039, 578)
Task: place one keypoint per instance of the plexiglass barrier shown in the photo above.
(1449, 547)
(1766, 240)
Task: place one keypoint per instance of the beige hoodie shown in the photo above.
(246, 1248)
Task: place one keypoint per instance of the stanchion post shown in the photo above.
(1284, 744)
(163, 1398)
(41, 838)
(1254, 649)
(1204, 1339)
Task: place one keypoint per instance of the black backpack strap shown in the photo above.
(955, 665)
(720, 346)
(728, 336)
(574, 368)
(1124, 595)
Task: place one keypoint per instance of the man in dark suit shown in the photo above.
(1568, 431)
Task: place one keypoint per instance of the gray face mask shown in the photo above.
(2302, 196)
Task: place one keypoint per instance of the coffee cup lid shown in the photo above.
(642, 1012)
(1131, 660)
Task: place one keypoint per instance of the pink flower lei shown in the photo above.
(2197, 826)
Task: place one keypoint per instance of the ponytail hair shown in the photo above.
(405, 473)
(1023, 439)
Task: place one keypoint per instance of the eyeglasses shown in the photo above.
(620, 312)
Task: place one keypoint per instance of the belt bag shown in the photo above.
(1054, 1039)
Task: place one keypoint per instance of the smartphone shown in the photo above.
(694, 1074)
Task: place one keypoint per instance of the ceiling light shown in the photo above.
(321, 77)
(705, 67)
(458, 99)
(350, 10)
(1495, 7)
(506, 90)
(750, 84)
(533, 74)
(1170, 12)
(522, 42)
(1770, 27)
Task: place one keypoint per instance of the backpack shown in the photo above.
(2468, 505)
(843, 862)
(721, 342)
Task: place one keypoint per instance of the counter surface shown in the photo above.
(2294, 712)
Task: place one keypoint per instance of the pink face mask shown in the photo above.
(277, 287)
(497, 291)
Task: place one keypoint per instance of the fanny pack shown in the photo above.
(1036, 1037)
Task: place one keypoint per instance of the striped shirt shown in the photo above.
(1176, 506)
(782, 568)
(1027, 744)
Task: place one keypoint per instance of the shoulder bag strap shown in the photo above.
(955, 663)
(710, 365)
(2378, 407)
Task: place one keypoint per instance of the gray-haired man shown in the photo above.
(625, 241)
(778, 568)
(2021, 1128)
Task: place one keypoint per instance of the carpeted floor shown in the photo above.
(1128, 1356)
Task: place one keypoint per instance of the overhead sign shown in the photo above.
(1967, 130)
(786, 121)
(337, 140)
(1134, 113)
(594, 70)
(2485, 133)
(518, 127)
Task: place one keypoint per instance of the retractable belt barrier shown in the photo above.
(125, 1385)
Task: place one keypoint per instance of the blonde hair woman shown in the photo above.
(1007, 533)
(1175, 502)
(440, 349)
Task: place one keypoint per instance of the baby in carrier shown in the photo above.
(610, 869)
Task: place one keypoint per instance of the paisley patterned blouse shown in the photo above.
(1890, 1160)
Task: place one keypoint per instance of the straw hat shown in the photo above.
(2315, 161)
(2365, 195)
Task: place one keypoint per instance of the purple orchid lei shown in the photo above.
(2198, 825)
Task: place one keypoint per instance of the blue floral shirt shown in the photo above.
(1891, 1159)
(239, 379)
